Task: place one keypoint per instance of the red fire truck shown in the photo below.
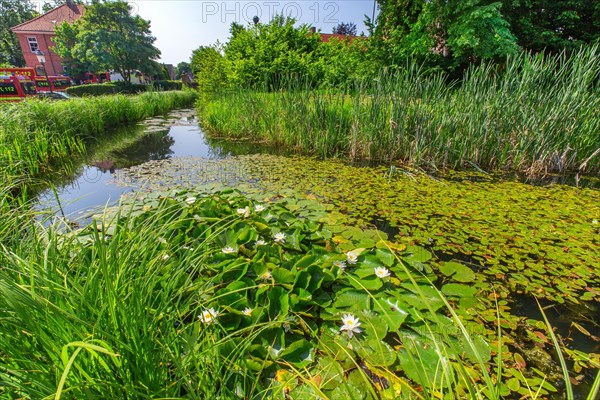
(15, 87)
(57, 83)
(89, 78)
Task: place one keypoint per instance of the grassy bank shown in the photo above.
(230, 297)
(37, 137)
(534, 114)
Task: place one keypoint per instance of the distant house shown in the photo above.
(38, 34)
(170, 71)
(328, 37)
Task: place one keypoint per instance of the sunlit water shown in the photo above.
(95, 182)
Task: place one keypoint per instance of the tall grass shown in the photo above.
(534, 113)
(38, 136)
(103, 320)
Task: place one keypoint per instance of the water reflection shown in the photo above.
(91, 181)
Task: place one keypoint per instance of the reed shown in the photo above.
(535, 113)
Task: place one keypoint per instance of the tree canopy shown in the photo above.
(345, 28)
(12, 13)
(453, 33)
(553, 25)
(440, 35)
(50, 4)
(264, 52)
(443, 33)
(108, 37)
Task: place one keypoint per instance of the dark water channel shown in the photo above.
(99, 179)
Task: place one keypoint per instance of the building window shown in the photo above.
(33, 44)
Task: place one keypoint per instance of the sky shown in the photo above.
(181, 26)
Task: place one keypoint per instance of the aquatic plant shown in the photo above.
(537, 114)
(146, 301)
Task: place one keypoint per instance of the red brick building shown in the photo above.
(38, 34)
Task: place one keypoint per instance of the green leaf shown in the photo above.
(278, 302)
(299, 353)
(458, 290)
(353, 298)
(458, 271)
(385, 256)
(376, 353)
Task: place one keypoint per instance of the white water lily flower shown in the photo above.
(259, 208)
(351, 325)
(340, 264)
(190, 200)
(351, 257)
(266, 275)
(279, 237)
(247, 311)
(208, 316)
(244, 211)
(260, 242)
(382, 272)
(228, 250)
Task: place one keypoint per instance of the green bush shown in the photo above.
(129, 88)
(92, 90)
(107, 88)
(167, 85)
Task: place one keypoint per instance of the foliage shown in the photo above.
(51, 4)
(167, 85)
(453, 34)
(106, 88)
(539, 115)
(255, 291)
(345, 28)
(217, 294)
(208, 66)
(108, 37)
(65, 40)
(447, 34)
(183, 68)
(264, 54)
(339, 63)
(553, 25)
(12, 13)
(542, 250)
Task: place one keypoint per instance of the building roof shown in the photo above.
(326, 37)
(45, 23)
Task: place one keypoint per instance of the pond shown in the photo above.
(520, 241)
(96, 181)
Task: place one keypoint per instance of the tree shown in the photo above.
(12, 13)
(553, 24)
(444, 33)
(51, 4)
(183, 68)
(108, 37)
(264, 53)
(345, 28)
(208, 67)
